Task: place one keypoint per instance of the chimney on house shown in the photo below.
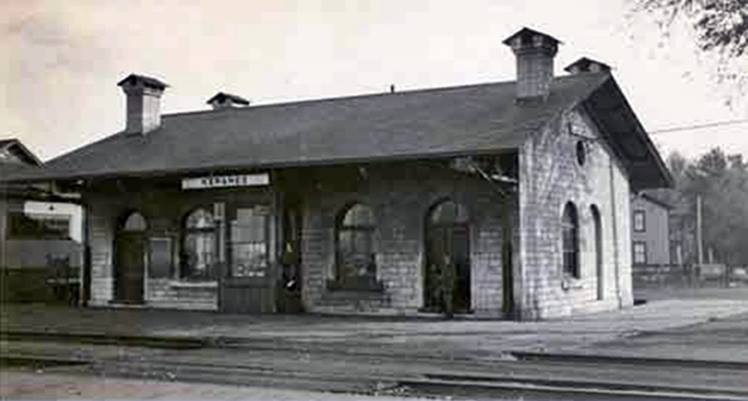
(223, 100)
(534, 52)
(143, 103)
(585, 64)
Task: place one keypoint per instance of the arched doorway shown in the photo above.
(129, 262)
(447, 270)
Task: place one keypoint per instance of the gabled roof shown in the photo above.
(657, 201)
(223, 96)
(19, 150)
(586, 64)
(26, 164)
(420, 124)
(610, 110)
(525, 34)
(146, 81)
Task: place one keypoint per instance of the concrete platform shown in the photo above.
(634, 331)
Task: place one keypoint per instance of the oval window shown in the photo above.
(581, 153)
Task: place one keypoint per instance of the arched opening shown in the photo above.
(447, 268)
(199, 246)
(129, 261)
(355, 265)
(570, 240)
(596, 219)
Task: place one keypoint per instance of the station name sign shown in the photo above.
(226, 181)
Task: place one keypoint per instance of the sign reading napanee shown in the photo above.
(226, 181)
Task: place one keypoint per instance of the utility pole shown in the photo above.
(699, 234)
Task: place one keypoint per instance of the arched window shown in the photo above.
(135, 222)
(199, 246)
(596, 219)
(355, 252)
(449, 213)
(570, 240)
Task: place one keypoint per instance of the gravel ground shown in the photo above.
(20, 385)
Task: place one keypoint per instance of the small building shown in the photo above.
(650, 230)
(37, 230)
(654, 254)
(506, 200)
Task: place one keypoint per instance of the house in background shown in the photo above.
(506, 199)
(650, 238)
(36, 230)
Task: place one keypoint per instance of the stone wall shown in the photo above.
(401, 196)
(164, 207)
(551, 176)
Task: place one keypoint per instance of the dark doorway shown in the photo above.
(289, 285)
(447, 275)
(129, 262)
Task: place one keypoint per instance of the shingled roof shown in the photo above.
(417, 124)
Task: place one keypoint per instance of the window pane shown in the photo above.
(248, 243)
(640, 253)
(159, 257)
(200, 218)
(354, 253)
(639, 220)
(570, 240)
(249, 260)
(37, 226)
(135, 222)
(449, 212)
(355, 257)
(359, 215)
(200, 253)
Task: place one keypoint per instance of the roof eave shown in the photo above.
(664, 179)
(259, 166)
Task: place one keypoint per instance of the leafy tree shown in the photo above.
(722, 183)
(720, 27)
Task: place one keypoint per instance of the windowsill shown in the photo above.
(193, 284)
(571, 283)
(357, 286)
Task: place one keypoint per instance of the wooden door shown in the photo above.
(129, 267)
(248, 284)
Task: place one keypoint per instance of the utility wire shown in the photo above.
(698, 126)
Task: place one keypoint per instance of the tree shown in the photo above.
(720, 26)
(722, 183)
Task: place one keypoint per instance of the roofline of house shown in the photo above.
(15, 142)
(638, 130)
(645, 136)
(654, 200)
(266, 166)
(359, 96)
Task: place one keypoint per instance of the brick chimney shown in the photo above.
(222, 100)
(535, 52)
(143, 103)
(584, 65)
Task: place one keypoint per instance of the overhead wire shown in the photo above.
(697, 126)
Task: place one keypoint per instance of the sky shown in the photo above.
(61, 59)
